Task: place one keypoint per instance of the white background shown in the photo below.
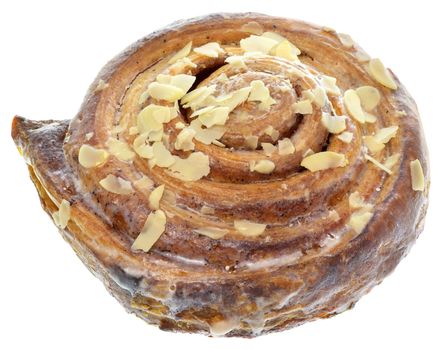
(51, 52)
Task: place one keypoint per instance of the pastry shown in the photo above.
(236, 174)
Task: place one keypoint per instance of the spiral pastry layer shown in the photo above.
(236, 174)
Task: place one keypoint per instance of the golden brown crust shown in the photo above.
(306, 264)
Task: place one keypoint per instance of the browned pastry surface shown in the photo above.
(326, 238)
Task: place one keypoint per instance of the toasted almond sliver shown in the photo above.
(61, 217)
(155, 197)
(352, 103)
(152, 230)
(116, 185)
(359, 220)
(285, 147)
(264, 166)
(386, 134)
(417, 175)
(268, 148)
(181, 53)
(212, 232)
(184, 140)
(381, 74)
(251, 141)
(391, 161)
(248, 228)
(369, 97)
(373, 144)
(345, 137)
(256, 43)
(303, 107)
(120, 149)
(324, 160)
(90, 157)
(329, 85)
(165, 92)
(333, 123)
(377, 164)
(209, 50)
(193, 168)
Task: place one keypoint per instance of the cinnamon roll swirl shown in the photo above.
(236, 174)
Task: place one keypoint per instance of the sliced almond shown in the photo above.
(274, 133)
(209, 50)
(345, 137)
(207, 136)
(61, 217)
(195, 98)
(256, 43)
(120, 149)
(268, 148)
(303, 107)
(212, 232)
(264, 166)
(417, 175)
(144, 183)
(181, 53)
(381, 74)
(216, 116)
(345, 40)
(391, 161)
(329, 85)
(333, 123)
(248, 228)
(116, 185)
(193, 168)
(324, 160)
(354, 108)
(90, 157)
(155, 197)
(369, 118)
(253, 28)
(355, 200)
(359, 219)
(235, 99)
(237, 62)
(285, 147)
(369, 97)
(286, 50)
(184, 140)
(386, 134)
(152, 230)
(377, 164)
(163, 158)
(165, 92)
(373, 144)
(142, 148)
(251, 141)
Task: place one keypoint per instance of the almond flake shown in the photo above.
(263, 166)
(116, 185)
(391, 160)
(211, 232)
(101, 85)
(369, 97)
(333, 123)
(90, 157)
(285, 147)
(144, 183)
(256, 43)
(359, 220)
(333, 215)
(209, 50)
(369, 118)
(155, 197)
(193, 168)
(329, 85)
(152, 230)
(180, 125)
(251, 141)
(373, 145)
(165, 92)
(237, 62)
(182, 81)
(207, 210)
(352, 103)
(286, 50)
(248, 228)
(133, 130)
(346, 40)
(236, 98)
(141, 148)
(270, 131)
(417, 175)
(89, 135)
(181, 53)
(308, 152)
(381, 74)
(62, 216)
(345, 137)
(216, 116)
(303, 107)
(324, 160)
(377, 164)
(356, 201)
(268, 148)
(184, 140)
(120, 149)
(386, 134)
(195, 98)
(163, 158)
(260, 93)
(207, 136)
